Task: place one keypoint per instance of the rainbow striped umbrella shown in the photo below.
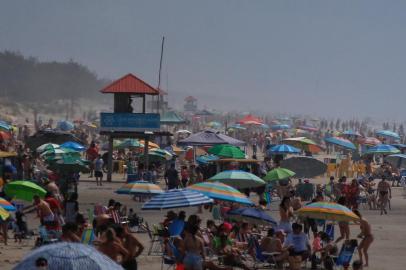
(6, 205)
(221, 192)
(327, 211)
(4, 214)
(140, 187)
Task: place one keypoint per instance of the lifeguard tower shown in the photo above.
(125, 121)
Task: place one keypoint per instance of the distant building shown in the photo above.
(190, 104)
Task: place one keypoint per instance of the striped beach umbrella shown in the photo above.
(303, 143)
(221, 192)
(140, 187)
(238, 179)
(4, 214)
(47, 147)
(6, 205)
(382, 149)
(388, 134)
(341, 142)
(369, 141)
(283, 149)
(176, 198)
(327, 211)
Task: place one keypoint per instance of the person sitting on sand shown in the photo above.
(367, 238)
(112, 247)
(272, 244)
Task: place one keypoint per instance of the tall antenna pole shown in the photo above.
(159, 74)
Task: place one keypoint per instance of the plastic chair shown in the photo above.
(176, 227)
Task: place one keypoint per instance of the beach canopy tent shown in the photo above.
(50, 136)
(209, 137)
(171, 118)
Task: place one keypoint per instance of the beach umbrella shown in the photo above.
(130, 143)
(238, 179)
(253, 215)
(308, 128)
(304, 167)
(174, 150)
(4, 214)
(237, 126)
(140, 187)
(6, 205)
(73, 146)
(278, 174)
(68, 256)
(384, 149)
(160, 153)
(213, 124)
(65, 125)
(280, 127)
(176, 198)
(283, 149)
(151, 145)
(47, 147)
(250, 120)
(4, 154)
(58, 152)
(327, 211)
(4, 135)
(184, 131)
(388, 134)
(341, 142)
(226, 151)
(5, 127)
(205, 159)
(221, 192)
(351, 133)
(304, 144)
(68, 163)
(210, 137)
(397, 160)
(369, 141)
(399, 146)
(265, 126)
(50, 136)
(24, 190)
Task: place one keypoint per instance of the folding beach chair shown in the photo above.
(155, 244)
(347, 251)
(88, 237)
(176, 228)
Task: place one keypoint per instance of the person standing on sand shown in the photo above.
(112, 247)
(367, 238)
(44, 211)
(98, 170)
(132, 244)
(91, 154)
(384, 194)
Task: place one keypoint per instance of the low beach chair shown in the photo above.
(88, 237)
(155, 244)
(344, 258)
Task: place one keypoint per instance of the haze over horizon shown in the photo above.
(335, 59)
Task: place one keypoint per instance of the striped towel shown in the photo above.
(88, 237)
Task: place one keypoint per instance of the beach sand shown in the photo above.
(386, 252)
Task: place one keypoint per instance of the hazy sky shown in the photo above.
(335, 58)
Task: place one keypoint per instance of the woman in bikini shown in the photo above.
(367, 238)
(286, 213)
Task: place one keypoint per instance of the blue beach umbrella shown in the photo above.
(283, 149)
(176, 198)
(205, 159)
(351, 133)
(65, 125)
(341, 142)
(382, 149)
(74, 146)
(252, 214)
(388, 134)
(68, 256)
(280, 127)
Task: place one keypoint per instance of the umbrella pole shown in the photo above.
(146, 160)
(110, 160)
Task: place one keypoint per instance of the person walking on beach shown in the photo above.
(132, 244)
(91, 154)
(367, 238)
(112, 247)
(98, 170)
(172, 177)
(384, 194)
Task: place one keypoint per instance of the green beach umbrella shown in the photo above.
(278, 174)
(227, 151)
(238, 179)
(24, 190)
(47, 147)
(130, 143)
(69, 164)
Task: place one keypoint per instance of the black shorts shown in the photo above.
(130, 264)
(383, 193)
(98, 174)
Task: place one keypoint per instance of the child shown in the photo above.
(20, 227)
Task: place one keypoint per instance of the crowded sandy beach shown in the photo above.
(187, 135)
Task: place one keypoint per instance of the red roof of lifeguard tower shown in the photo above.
(130, 84)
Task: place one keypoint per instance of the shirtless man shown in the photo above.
(384, 194)
(112, 247)
(44, 211)
(69, 231)
(367, 238)
(194, 249)
(132, 244)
